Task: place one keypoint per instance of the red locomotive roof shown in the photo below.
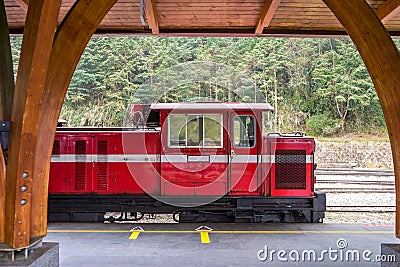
(212, 106)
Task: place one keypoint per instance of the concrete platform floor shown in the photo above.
(229, 244)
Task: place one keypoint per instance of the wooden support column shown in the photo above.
(382, 60)
(40, 27)
(71, 39)
(2, 198)
(6, 96)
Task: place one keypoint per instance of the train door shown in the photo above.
(243, 162)
(81, 153)
(194, 159)
(104, 171)
(59, 167)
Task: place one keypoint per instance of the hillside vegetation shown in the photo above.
(316, 85)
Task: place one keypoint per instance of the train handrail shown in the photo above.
(291, 134)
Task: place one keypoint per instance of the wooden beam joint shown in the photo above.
(388, 10)
(266, 15)
(151, 16)
(23, 4)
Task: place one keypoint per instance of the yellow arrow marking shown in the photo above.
(205, 239)
(134, 235)
(135, 232)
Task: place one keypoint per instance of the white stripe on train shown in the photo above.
(140, 158)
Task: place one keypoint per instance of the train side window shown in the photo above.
(177, 130)
(244, 131)
(190, 130)
(213, 130)
(194, 130)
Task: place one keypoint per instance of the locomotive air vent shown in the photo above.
(290, 169)
(80, 165)
(102, 166)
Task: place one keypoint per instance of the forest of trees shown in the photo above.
(320, 86)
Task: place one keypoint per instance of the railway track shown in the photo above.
(349, 180)
(359, 189)
(363, 208)
(353, 171)
(354, 187)
(356, 181)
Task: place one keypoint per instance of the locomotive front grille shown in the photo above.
(290, 169)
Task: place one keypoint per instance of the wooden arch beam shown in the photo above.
(71, 39)
(6, 71)
(47, 63)
(382, 60)
(40, 27)
(266, 15)
(388, 10)
(6, 96)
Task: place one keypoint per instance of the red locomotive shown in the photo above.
(201, 161)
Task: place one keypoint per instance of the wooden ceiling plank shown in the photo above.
(213, 16)
(221, 2)
(151, 15)
(388, 10)
(23, 4)
(267, 13)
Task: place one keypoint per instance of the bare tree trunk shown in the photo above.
(276, 100)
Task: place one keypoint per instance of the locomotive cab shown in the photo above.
(211, 149)
(219, 149)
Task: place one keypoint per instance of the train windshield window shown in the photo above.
(243, 131)
(193, 130)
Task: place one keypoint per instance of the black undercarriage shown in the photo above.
(93, 208)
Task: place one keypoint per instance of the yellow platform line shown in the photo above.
(85, 231)
(300, 232)
(204, 237)
(227, 231)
